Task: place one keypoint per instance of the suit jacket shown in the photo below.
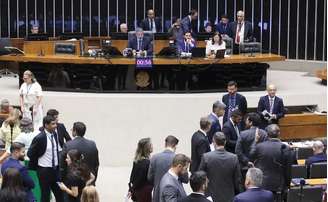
(223, 170)
(185, 47)
(317, 158)
(248, 31)
(159, 165)
(38, 148)
(268, 156)
(199, 146)
(222, 28)
(231, 136)
(186, 24)
(254, 194)
(170, 189)
(241, 104)
(89, 150)
(27, 180)
(146, 44)
(278, 106)
(244, 143)
(193, 197)
(215, 127)
(145, 24)
(63, 135)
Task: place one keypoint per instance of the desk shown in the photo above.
(166, 75)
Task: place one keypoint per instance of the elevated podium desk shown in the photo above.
(118, 74)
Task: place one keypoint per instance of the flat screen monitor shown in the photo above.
(71, 35)
(37, 37)
(119, 36)
(4, 42)
(161, 36)
(203, 36)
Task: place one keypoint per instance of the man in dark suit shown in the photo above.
(151, 23)
(198, 184)
(223, 26)
(187, 44)
(240, 31)
(61, 131)
(254, 192)
(233, 100)
(271, 157)
(271, 107)
(17, 151)
(231, 130)
(43, 154)
(222, 170)
(140, 43)
(186, 22)
(160, 163)
(246, 139)
(199, 144)
(87, 147)
(318, 154)
(216, 119)
(170, 188)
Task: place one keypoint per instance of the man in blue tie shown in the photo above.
(187, 44)
(151, 23)
(186, 22)
(140, 43)
(43, 154)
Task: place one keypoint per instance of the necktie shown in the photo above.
(237, 34)
(271, 105)
(236, 129)
(52, 151)
(232, 103)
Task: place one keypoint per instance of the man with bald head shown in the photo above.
(271, 107)
(124, 28)
(240, 31)
(318, 154)
(151, 23)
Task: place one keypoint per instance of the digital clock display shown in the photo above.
(144, 63)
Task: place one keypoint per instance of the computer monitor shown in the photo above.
(71, 35)
(108, 49)
(220, 53)
(4, 42)
(161, 36)
(119, 36)
(198, 52)
(203, 36)
(37, 37)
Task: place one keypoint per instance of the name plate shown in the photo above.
(144, 63)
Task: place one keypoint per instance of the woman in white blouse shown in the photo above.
(30, 99)
(215, 44)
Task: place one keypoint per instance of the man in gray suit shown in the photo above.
(170, 187)
(246, 139)
(222, 170)
(160, 163)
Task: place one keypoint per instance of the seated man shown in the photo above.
(123, 28)
(318, 154)
(222, 26)
(35, 29)
(187, 44)
(140, 43)
(5, 109)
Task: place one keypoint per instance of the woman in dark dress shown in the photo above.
(140, 188)
(12, 189)
(77, 177)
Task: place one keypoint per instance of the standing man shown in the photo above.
(17, 151)
(240, 31)
(199, 144)
(160, 163)
(232, 131)
(198, 184)
(254, 191)
(233, 100)
(222, 170)
(216, 119)
(87, 147)
(151, 23)
(246, 139)
(170, 187)
(186, 22)
(271, 107)
(61, 131)
(43, 154)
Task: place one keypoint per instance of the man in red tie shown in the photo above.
(241, 31)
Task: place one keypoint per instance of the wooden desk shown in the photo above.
(74, 59)
(303, 126)
(301, 161)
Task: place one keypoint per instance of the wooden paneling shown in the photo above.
(303, 126)
(46, 47)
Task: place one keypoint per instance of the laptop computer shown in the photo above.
(220, 53)
(198, 52)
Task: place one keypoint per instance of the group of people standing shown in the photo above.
(230, 153)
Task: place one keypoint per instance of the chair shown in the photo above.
(229, 45)
(298, 171)
(310, 194)
(318, 170)
(304, 152)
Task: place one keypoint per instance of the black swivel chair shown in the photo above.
(318, 170)
(298, 171)
(304, 153)
(308, 194)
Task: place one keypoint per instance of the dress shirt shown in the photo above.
(173, 174)
(271, 103)
(204, 133)
(152, 25)
(241, 32)
(214, 47)
(46, 159)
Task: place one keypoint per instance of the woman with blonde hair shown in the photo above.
(139, 187)
(30, 99)
(90, 194)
